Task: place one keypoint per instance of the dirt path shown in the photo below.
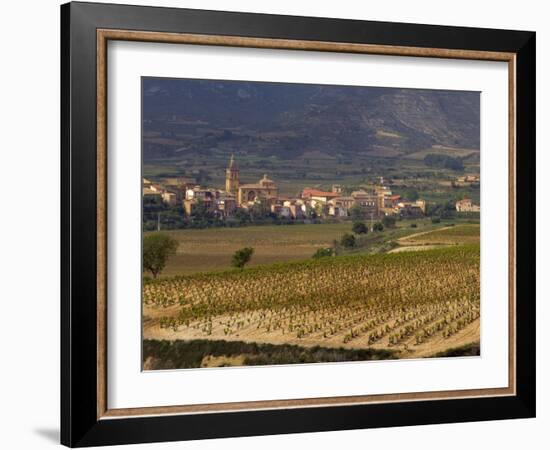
(414, 248)
(422, 233)
(406, 244)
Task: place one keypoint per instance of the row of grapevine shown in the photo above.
(395, 299)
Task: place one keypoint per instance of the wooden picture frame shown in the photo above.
(86, 418)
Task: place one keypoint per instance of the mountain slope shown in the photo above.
(289, 120)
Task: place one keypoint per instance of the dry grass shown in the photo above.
(211, 249)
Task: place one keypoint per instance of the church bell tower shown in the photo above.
(232, 177)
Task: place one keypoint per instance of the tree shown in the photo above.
(359, 228)
(411, 194)
(242, 257)
(378, 226)
(388, 221)
(443, 161)
(258, 212)
(348, 240)
(311, 213)
(242, 216)
(157, 248)
(322, 252)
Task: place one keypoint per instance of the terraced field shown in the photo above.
(459, 234)
(427, 240)
(416, 304)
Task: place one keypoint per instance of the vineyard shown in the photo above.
(450, 235)
(413, 303)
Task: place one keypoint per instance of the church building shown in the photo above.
(232, 178)
(264, 190)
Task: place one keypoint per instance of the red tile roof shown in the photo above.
(308, 192)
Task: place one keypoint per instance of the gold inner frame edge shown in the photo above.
(103, 36)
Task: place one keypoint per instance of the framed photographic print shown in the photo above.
(277, 224)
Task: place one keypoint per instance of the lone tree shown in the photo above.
(241, 257)
(359, 228)
(157, 248)
(348, 240)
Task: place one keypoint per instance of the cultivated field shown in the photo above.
(459, 234)
(210, 250)
(413, 303)
(440, 150)
(448, 235)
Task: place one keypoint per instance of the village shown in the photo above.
(264, 196)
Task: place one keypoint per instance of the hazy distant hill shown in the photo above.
(289, 120)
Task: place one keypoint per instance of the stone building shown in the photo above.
(367, 202)
(410, 209)
(466, 205)
(264, 190)
(169, 198)
(232, 178)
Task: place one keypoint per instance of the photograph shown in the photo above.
(287, 223)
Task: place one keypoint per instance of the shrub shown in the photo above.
(242, 257)
(388, 221)
(411, 194)
(443, 161)
(323, 252)
(348, 240)
(359, 228)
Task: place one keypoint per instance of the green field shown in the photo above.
(211, 249)
(213, 353)
(460, 234)
(167, 355)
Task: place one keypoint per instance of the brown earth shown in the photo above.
(250, 333)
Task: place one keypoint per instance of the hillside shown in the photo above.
(182, 118)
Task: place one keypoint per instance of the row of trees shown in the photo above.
(349, 240)
(157, 215)
(443, 162)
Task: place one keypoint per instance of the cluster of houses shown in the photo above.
(374, 203)
(468, 179)
(466, 205)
